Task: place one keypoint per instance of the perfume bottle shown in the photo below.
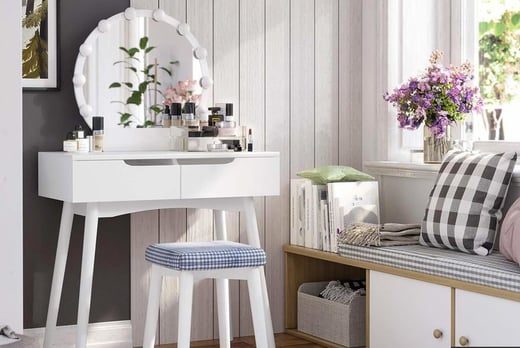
(215, 116)
(176, 114)
(166, 117)
(98, 133)
(188, 116)
(250, 140)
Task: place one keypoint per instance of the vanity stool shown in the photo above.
(220, 260)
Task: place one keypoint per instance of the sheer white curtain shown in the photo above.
(398, 37)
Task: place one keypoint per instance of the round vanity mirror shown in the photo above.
(130, 64)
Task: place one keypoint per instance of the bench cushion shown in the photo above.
(205, 255)
(493, 270)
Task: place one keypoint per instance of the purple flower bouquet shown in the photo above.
(438, 97)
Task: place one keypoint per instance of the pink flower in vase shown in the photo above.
(183, 92)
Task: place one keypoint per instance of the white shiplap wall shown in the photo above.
(293, 70)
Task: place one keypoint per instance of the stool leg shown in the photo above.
(152, 311)
(267, 310)
(185, 306)
(254, 240)
(224, 319)
(254, 285)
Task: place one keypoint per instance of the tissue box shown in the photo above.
(329, 320)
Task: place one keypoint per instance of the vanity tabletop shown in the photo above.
(115, 155)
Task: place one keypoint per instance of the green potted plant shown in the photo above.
(146, 81)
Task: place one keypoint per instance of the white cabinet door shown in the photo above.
(486, 321)
(405, 312)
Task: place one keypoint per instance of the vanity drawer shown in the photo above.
(230, 177)
(125, 180)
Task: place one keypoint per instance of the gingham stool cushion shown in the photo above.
(205, 255)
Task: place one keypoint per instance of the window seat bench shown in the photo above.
(494, 270)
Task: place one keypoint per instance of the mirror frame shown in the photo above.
(104, 25)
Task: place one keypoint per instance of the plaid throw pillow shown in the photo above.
(465, 204)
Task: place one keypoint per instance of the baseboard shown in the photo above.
(109, 334)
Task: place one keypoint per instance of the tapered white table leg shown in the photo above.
(253, 238)
(87, 272)
(67, 215)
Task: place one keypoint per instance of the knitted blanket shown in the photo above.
(388, 234)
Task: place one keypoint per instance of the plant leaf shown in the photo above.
(155, 109)
(148, 124)
(124, 49)
(147, 69)
(515, 19)
(143, 86)
(135, 98)
(143, 42)
(483, 27)
(168, 71)
(499, 29)
(133, 51)
(132, 68)
(115, 85)
(128, 84)
(149, 49)
(174, 62)
(124, 117)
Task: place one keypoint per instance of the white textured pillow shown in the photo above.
(466, 202)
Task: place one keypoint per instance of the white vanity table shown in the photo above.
(98, 185)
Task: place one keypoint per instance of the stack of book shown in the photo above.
(320, 212)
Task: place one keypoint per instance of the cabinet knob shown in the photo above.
(437, 333)
(463, 341)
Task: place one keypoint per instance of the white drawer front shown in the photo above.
(125, 180)
(228, 177)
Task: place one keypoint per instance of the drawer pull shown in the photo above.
(150, 162)
(463, 341)
(202, 161)
(437, 333)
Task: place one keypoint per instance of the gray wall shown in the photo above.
(47, 117)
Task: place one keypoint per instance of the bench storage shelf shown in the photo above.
(469, 313)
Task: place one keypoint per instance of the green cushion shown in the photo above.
(326, 174)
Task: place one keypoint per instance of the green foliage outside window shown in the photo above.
(499, 69)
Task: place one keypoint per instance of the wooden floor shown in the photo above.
(282, 340)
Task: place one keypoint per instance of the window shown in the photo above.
(498, 69)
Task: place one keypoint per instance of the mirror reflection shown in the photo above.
(133, 68)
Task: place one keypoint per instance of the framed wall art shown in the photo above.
(40, 44)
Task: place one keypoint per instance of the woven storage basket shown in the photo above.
(329, 320)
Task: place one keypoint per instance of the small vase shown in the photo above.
(435, 148)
